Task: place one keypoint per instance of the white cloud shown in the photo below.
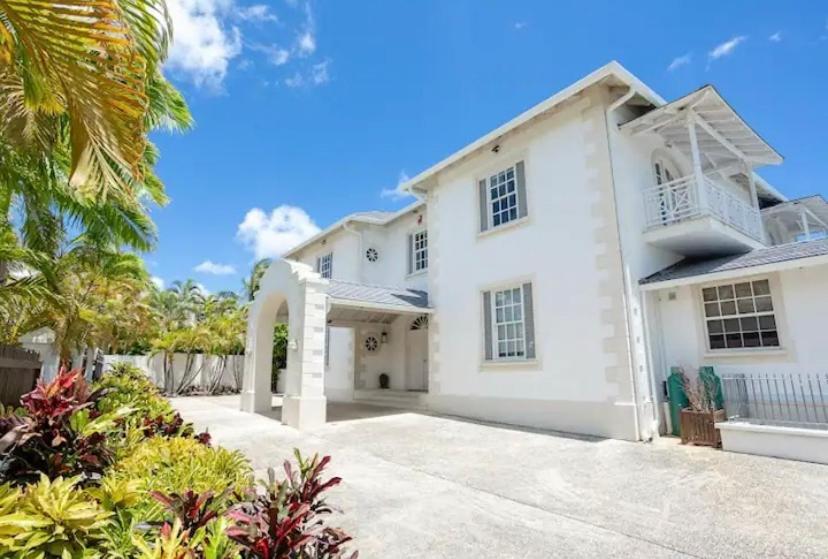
(271, 235)
(317, 75)
(257, 12)
(518, 25)
(275, 54)
(159, 282)
(776, 37)
(726, 48)
(210, 267)
(306, 43)
(397, 193)
(680, 61)
(203, 44)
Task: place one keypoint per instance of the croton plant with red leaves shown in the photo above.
(40, 438)
(290, 518)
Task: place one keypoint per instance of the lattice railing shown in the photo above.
(679, 200)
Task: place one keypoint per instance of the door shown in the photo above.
(417, 360)
(671, 200)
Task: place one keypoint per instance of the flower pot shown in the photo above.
(697, 427)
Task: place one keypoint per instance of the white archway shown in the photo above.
(296, 287)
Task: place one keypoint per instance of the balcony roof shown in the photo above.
(722, 134)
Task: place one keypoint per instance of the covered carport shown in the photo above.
(292, 293)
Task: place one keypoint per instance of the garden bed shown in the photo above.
(111, 470)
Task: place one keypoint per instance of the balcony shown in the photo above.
(700, 218)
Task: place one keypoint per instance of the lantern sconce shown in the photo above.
(384, 338)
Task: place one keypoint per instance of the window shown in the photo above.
(324, 265)
(503, 197)
(419, 251)
(740, 315)
(508, 313)
(372, 254)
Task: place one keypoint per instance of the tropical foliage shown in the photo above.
(152, 493)
(80, 90)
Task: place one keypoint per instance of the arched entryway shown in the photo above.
(416, 371)
(289, 292)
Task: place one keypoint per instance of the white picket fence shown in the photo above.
(206, 368)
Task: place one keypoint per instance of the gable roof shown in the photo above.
(612, 70)
(370, 217)
(720, 121)
(794, 253)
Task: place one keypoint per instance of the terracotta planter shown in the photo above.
(697, 427)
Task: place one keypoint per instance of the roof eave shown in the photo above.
(613, 68)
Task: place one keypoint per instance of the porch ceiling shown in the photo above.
(723, 136)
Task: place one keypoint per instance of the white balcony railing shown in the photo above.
(679, 200)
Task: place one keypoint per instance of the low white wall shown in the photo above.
(206, 365)
(808, 445)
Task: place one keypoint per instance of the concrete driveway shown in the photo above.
(418, 485)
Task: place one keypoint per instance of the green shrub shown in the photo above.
(177, 465)
(127, 385)
(52, 518)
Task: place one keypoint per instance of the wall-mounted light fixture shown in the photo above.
(384, 338)
(292, 344)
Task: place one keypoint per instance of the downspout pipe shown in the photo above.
(631, 92)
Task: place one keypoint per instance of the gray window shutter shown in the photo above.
(484, 205)
(330, 266)
(528, 321)
(520, 175)
(487, 325)
(318, 264)
(410, 254)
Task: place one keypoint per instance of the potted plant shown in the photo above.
(698, 418)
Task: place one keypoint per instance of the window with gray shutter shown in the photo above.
(503, 197)
(509, 323)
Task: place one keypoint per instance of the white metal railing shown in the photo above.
(679, 200)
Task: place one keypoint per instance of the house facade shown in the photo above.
(553, 271)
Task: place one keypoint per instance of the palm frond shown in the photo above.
(80, 55)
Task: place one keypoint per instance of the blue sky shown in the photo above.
(307, 111)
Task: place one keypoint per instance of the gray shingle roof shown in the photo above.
(376, 294)
(759, 257)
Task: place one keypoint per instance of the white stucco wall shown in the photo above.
(800, 298)
(566, 247)
(390, 241)
(339, 367)
(206, 367)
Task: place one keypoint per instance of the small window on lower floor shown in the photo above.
(740, 316)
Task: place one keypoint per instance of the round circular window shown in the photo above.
(371, 343)
(372, 254)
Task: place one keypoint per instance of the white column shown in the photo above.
(304, 405)
(698, 176)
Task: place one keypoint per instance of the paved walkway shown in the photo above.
(417, 485)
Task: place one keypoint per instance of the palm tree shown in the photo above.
(251, 285)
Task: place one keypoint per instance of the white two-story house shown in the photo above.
(551, 272)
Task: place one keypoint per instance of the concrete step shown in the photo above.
(391, 398)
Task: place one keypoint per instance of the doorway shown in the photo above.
(416, 351)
